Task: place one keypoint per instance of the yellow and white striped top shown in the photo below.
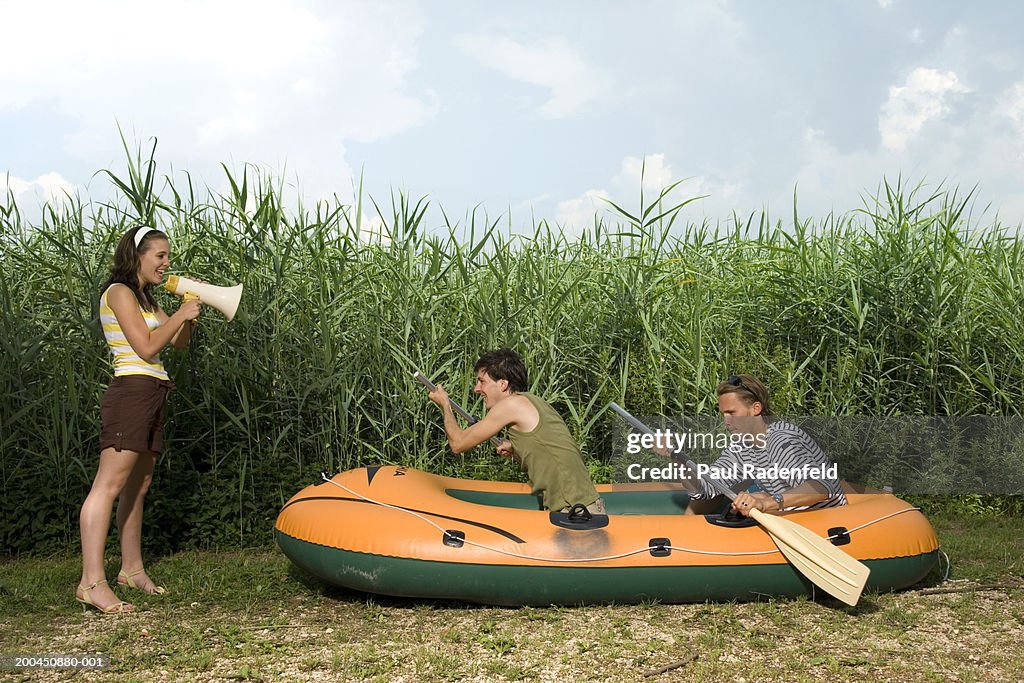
(126, 361)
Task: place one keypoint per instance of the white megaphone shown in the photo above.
(224, 299)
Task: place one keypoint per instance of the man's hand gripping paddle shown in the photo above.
(456, 408)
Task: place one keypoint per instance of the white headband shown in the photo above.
(142, 232)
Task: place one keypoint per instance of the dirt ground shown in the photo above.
(967, 634)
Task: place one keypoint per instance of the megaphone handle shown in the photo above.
(192, 296)
(193, 334)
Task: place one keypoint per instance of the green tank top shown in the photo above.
(552, 460)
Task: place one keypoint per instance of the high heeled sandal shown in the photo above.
(129, 581)
(119, 607)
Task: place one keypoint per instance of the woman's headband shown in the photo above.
(141, 233)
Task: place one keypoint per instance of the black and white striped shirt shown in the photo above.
(789, 448)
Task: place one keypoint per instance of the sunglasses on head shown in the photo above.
(737, 381)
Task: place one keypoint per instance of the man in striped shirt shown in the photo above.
(790, 470)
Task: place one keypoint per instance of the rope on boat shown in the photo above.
(648, 548)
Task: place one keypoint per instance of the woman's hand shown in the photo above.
(187, 313)
(190, 308)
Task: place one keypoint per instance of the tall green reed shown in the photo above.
(906, 307)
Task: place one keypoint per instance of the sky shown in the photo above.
(528, 110)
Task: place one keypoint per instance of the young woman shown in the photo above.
(132, 413)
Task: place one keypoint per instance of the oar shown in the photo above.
(425, 381)
(824, 564)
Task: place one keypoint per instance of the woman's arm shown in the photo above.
(148, 343)
(182, 337)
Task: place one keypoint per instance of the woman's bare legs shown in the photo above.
(129, 520)
(113, 473)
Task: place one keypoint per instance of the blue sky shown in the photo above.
(535, 109)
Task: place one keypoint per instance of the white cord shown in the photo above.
(949, 565)
(592, 559)
(874, 521)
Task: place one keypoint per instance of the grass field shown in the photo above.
(249, 615)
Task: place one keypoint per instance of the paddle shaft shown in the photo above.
(456, 408)
(717, 485)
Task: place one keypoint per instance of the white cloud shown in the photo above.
(885, 4)
(550, 64)
(986, 150)
(276, 83)
(1009, 140)
(1011, 105)
(924, 97)
(580, 212)
(221, 128)
(656, 174)
(372, 229)
(47, 188)
(828, 179)
(69, 41)
(653, 169)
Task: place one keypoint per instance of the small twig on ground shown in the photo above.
(969, 589)
(674, 665)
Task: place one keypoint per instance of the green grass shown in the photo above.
(981, 544)
(248, 615)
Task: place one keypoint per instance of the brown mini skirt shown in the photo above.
(132, 413)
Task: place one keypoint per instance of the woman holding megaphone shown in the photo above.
(132, 413)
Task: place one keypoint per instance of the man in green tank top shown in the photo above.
(537, 435)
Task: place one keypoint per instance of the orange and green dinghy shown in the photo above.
(398, 531)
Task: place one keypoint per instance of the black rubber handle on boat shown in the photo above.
(717, 485)
(425, 381)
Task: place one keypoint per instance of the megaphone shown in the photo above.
(224, 299)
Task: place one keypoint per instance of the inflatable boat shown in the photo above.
(401, 532)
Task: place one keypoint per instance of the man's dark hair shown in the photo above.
(504, 364)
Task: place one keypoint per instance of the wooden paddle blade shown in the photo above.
(827, 566)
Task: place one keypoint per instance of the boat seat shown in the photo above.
(615, 503)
